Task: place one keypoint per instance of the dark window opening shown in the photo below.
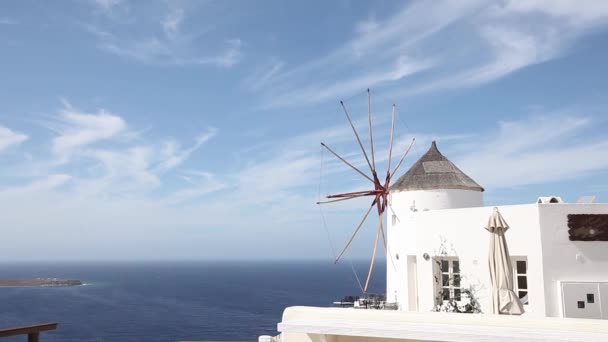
(456, 280)
(581, 304)
(521, 267)
(520, 279)
(445, 279)
(588, 227)
(522, 282)
(446, 294)
(450, 279)
(590, 298)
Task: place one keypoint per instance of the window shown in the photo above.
(450, 278)
(588, 227)
(520, 281)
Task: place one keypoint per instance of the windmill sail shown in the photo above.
(380, 190)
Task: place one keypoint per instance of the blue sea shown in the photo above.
(172, 301)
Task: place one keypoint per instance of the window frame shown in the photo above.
(516, 275)
(451, 287)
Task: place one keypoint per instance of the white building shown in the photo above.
(438, 247)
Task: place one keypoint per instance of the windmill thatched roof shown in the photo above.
(434, 171)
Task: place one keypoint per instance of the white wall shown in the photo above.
(352, 325)
(402, 236)
(567, 260)
(400, 241)
(436, 199)
(463, 233)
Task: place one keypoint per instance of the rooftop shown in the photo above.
(309, 324)
(434, 171)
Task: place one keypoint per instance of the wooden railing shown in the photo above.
(32, 331)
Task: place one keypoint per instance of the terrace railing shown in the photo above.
(32, 331)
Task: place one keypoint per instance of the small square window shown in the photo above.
(522, 282)
(446, 294)
(580, 304)
(456, 280)
(521, 267)
(590, 298)
(445, 279)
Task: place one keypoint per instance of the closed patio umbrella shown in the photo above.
(504, 299)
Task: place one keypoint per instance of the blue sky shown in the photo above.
(191, 129)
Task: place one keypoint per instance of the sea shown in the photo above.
(175, 301)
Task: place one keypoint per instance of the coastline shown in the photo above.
(39, 282)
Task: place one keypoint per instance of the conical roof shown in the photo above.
(434, 171)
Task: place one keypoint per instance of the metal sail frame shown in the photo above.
(380, 190)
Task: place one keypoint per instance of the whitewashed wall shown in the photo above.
(402, 235)
(309, 324)
(436, 199)
(566, 260)
(463, 235)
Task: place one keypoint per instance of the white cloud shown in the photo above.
(541, 149)
(157, 51)
(202, 183)
(458, 44)
(263, 75)
(10, 138)
(382, 52)
(46, 183)
(277, 185)
(124, 172)
(108, 158)
(172, 155)
(79, 129)
(512, 50)
(172, 22)
(401, 68)
(158, 38)
(579, 13)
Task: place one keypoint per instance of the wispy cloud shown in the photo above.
(173, 155)
(78, 129)
(381, 52)
(201, 183)
(580, 13)
(456, 44)
(47, 183)
(160, 38)
(109, 158)
(112, 185)
(541, 149)
(10, 138)
(401, 68)
(263, 75)
(172, 22)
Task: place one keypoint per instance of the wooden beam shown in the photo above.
(32, 330)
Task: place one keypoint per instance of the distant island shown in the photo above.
(39, 282)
